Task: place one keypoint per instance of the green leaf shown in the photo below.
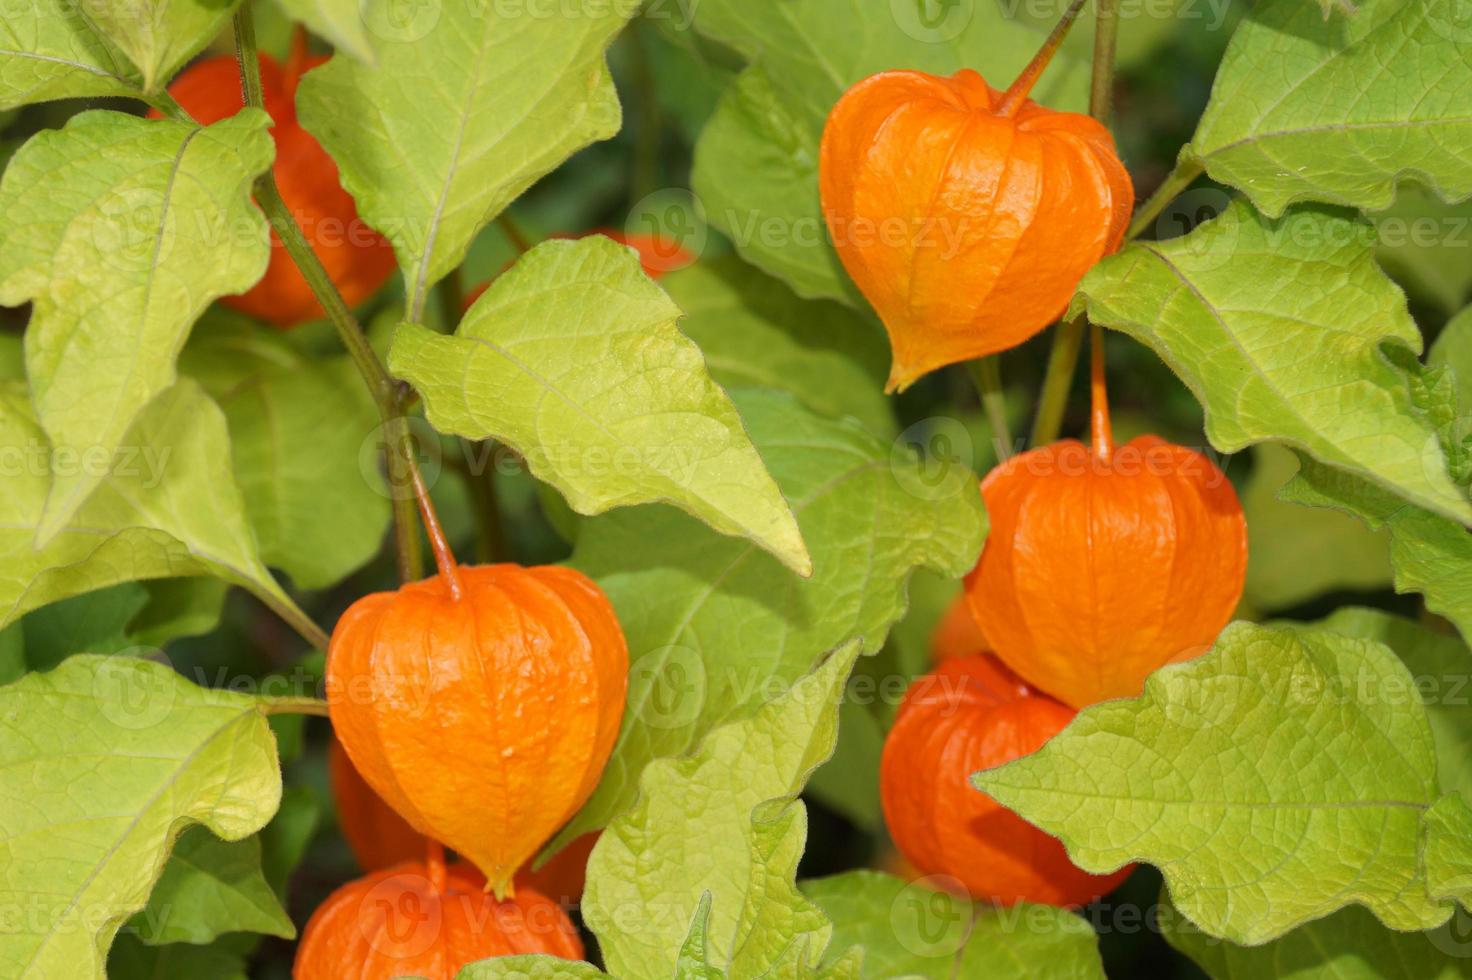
(1348, 945)
(721, 826)
(693, 962)
(712, 622)
(298, 425)
(913, 931)
(1429, 554)
(159, 36)
(1440, 666)
(1338, 110)
(103, 762)
(468, 106)
(756, 165)
(1453, 349)
(1278, 327)
(96, 622)
(122, 231)
(339, 21)
(131, 960)
(1295, 553)
(573, 359)
(178, 607)
(284, 840)
(1280, 777)
(1448, 852)
(528, 968)
(1423, 244)
(169, 508)
(49, 49)
(208, 888)
(755, 332)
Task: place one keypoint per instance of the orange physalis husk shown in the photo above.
(965, 215)
(970, 714)
(426, 920)
(357, 258)
(956, 635)
(1102, 566)
(482, 703)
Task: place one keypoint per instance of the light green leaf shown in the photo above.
(1448, 852)
(1277, 779)
(712, 622)
(103, 762)
(721, 826)
(910, 930)
(122, 231)
(1338, 110)
(131, 960)
(1277, 327)
(693, 962)
(339, 21)
(1348, 945)
(573, 359)
(1423, 244)
(208, 888)
(1295, 553)
(49, 49)
(755, 332)
(159, 36)
(468, 106)
(756, 165)
(1440, 666)
(528, 968)
(1429, 554)
(298, 424)
(1453, 349)
(168, 507)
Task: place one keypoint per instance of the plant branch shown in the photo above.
(513, 233)
(986, 373)
(1183, 175)
(1068, 337)
(169, 106)
(386, 394)
(292, 614)
(295, 706)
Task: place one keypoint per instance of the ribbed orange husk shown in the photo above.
(957, 635)
(966, 229)
(395, 923)
(485, 722)
(1097, 573)
(378, 836)
(356, 257)
(971, 714)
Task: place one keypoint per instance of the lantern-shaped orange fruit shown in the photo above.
(481, 704)
(1103, 565)
(971, 714)
(418, 920)
(957, 635)
(965, 215)
(378, 836)
(357, 258)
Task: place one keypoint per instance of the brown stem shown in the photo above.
(1016, 94)
(444, 558)
(1102, 431)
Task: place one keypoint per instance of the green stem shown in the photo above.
(1183, 175)
(295, 706)
(386, 393)
(169, 106)
(482, 489)
(513, 233)
(987, 375)
(292, 614)
(1068, 338)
